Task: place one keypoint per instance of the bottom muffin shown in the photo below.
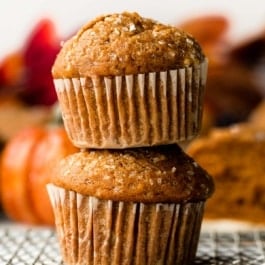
(138, 206)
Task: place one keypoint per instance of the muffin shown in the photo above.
(131, 206)
(128, 81)
(234, 156)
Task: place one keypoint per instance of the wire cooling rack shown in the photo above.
(39, 246)
(28, 246)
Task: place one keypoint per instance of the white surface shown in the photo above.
(18, 17)
(228, 225)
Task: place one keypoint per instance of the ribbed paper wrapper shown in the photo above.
(133, 110)
(93, 231)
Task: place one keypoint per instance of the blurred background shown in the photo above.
(231, 33)
(18, 19)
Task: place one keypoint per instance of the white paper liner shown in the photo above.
(133, 110)
(93, 231)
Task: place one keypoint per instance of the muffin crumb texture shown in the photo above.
(123, 44)
(234, 156)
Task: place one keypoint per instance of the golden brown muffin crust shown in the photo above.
(125, 43)
(157, 174)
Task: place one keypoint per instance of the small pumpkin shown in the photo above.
(26, 164)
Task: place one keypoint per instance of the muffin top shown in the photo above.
(154, 174)
(123, 44)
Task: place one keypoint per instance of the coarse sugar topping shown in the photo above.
(123, 44)
(154, 174)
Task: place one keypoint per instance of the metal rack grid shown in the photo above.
(38, 246)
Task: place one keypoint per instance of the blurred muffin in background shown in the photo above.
(234, 156)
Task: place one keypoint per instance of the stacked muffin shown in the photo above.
(129, 89)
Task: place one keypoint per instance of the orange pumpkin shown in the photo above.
(26, 164)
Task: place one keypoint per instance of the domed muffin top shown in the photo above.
(123, 44)
(154, 174)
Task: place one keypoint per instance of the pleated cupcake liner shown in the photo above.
(93, 231)
(133, 110)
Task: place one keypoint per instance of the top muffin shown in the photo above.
(124, 44)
